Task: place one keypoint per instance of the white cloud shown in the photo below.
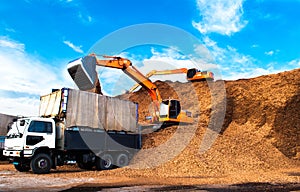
(74, 47)
(170, 58)
(235, 65)
(65, 1)
(89, 18)
(23, 106)
(79, 10)
(85, 18)
(267, 16)
(294, 63)
(250, 72)
(5, 42)
(10, 30)
(23, 75)
(272, 52)
(219, 16)
(114, 81)
(230, 61)
(109, 75)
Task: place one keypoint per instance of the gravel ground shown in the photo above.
(70, 178)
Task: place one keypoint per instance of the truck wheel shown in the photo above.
(87, 166)
(105, 162)
(41, 163)
(22, 167)
(122, 160)
(84, 165)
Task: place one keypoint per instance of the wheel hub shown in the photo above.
(107, 162)
(42, 163)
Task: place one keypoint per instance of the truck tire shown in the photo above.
(105, 162)
(122, 160)
(87, 166)
(84, 165)
(22, 167)
(41, 163)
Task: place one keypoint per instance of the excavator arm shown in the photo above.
(162, 72)
(131, 71)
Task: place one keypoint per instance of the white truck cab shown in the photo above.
(27, 136)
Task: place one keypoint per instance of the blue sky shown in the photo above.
(38, 37)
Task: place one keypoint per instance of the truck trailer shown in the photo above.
(91, 129)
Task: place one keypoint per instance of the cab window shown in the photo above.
(40, 127)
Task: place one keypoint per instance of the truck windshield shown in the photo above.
(40, 127)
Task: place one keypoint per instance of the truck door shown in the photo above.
(40, 134)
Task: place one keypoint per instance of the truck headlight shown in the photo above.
(28, 152)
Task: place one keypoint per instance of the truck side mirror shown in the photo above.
(22, 122)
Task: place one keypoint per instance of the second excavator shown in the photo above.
(83, 72)
(192, 75)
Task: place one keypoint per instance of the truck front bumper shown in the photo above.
(11, 153)
(17, 153)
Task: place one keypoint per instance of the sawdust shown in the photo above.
(260, 131)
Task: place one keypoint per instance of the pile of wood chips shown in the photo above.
(260, 130)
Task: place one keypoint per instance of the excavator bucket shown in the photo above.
(83, 72)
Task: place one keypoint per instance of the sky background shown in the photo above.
(39, 37)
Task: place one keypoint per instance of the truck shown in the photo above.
(5, 121)
(91, 129)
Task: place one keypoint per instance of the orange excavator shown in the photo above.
(192, 75)
(83, 72)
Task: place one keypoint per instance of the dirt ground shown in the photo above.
(245, 137)
(70, 178)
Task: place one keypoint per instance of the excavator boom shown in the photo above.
(162, 72)
(131, 71)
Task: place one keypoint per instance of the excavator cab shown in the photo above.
(191, 73)
(194, 74)
(170, 111)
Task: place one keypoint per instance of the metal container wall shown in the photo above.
(98, 111)
(4, 121)
(85, 109)
(50, 104)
